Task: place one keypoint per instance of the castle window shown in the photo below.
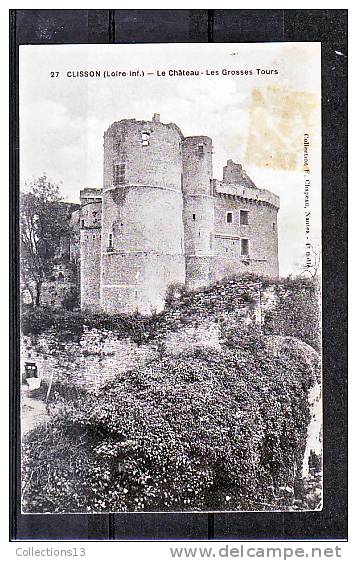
(94, 237)
(110, 241)
(244, 221)
(229, 217)
(244, 248)
(82, 223)
(200, 149)
(193, 216)
(118, 174)
(145, 138)
(274, 226)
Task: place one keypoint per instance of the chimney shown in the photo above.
(156, 118)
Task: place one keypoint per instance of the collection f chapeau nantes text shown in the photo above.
(163, 73)
(307, 186)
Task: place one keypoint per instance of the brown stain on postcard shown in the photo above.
(278, 120)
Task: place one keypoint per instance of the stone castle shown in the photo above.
(161, 218)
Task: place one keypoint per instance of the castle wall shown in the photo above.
(233, 173)
(164, 220)
(90, 252)
(261, 233)
(150, 152)
(198, 211)
(142, 236)
(74, 243)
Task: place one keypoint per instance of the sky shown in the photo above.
(256, 101)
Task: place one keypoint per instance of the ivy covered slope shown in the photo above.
(295, 311)
(211, 430)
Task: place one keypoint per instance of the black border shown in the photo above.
(159, 26)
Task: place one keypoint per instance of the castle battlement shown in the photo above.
(248, 194)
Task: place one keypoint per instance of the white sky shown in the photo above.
(62, 120)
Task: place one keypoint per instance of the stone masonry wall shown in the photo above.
(164, 220)
(90, 251)
(142, 216)
(261, 233)
(97, 358)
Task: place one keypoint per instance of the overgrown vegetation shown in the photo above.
(206, 430)
(44, 220)
(295, 313)
(212, 430)
(308, 492)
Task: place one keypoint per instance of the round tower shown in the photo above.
(198, 213)
(90, 248)
(142, 228)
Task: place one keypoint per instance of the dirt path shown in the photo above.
(33, 411)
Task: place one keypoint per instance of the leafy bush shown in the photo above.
(174, 293)
(297, 312)
(70, 324)
(210, 430)
(35, 321)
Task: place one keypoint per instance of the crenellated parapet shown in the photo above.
(244, 193)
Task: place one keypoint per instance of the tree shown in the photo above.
(312, 268)
(43, 221)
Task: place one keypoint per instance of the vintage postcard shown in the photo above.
(170, 246)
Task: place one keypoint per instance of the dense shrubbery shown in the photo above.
(297, 312)
(212, 430)
(71, 324)
(38, 320)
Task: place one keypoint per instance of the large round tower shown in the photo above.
(198, 214)
(142, 228)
